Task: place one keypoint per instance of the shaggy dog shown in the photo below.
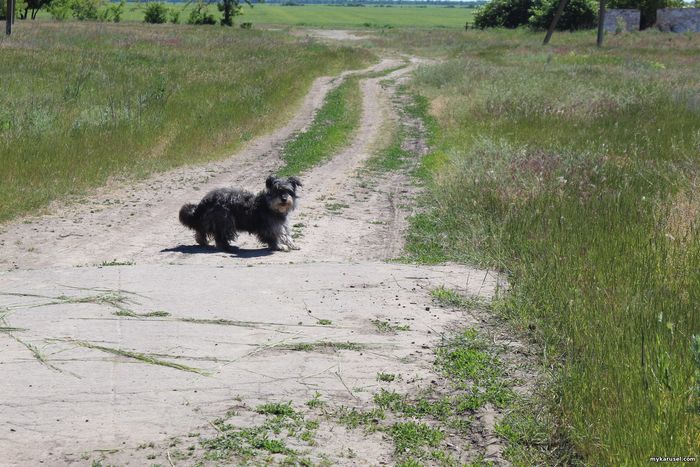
(224, 212)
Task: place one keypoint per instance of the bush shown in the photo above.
(155, 13)
(113, 13)
(578, 14)
(199, 15)
(81, 10)
(503, 14)
(175, 16)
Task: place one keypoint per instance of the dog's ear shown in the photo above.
(295, 182)
(269, 182)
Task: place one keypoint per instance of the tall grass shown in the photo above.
(575, 171)
(84, 102)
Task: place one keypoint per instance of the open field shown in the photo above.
(575, 171)
(326, 16)
(105, 100)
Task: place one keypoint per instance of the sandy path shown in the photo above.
(231, 318)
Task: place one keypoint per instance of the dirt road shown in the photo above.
(124, 342)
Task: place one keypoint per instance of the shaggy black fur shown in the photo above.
(224, 212)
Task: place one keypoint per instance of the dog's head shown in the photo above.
(281, 193)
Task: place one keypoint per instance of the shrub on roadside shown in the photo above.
(503, 14)
(538, 14)
(200, 15)
(113, 12)
(82, 10)
(578, 14)
(175, 16)
(155, 13)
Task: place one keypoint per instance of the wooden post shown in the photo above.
(10, 13)
(555, 20)
(601, 23)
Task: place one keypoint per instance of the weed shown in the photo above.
(388, 399)
(411, 437)
(354, 417)
(266, 438)
(277, 408)
(336, 207)
(450, 298)
(386, 377)
(387, 327)
(315, 401)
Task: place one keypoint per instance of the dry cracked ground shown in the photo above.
(125, 343)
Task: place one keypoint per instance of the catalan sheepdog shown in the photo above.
(225, 212)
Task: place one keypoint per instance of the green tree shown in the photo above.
(31, 7)
(230, 9)
(155, 13)
(503, 14)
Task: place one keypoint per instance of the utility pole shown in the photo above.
(10, 13)
(555, 20)
(601, 23)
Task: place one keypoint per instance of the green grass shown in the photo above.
(254, 443)
(412, 437)
(419, 421)
(325, 16)
(332, 128)
(370, 17)
(450, 298)
(105, 101)
(574, 171)
(386, 377)
(386, 327)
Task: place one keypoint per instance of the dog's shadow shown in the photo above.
(236, 252)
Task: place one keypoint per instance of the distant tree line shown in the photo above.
(106, 10)
(83, 10)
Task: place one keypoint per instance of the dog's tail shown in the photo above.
(187, 217)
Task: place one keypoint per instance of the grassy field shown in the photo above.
(575, 172)
(326, 16)
(87, 102)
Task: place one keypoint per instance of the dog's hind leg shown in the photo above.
(223, 240)
(201, 238)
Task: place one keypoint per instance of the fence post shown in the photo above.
(601, 23)
(10, 14)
